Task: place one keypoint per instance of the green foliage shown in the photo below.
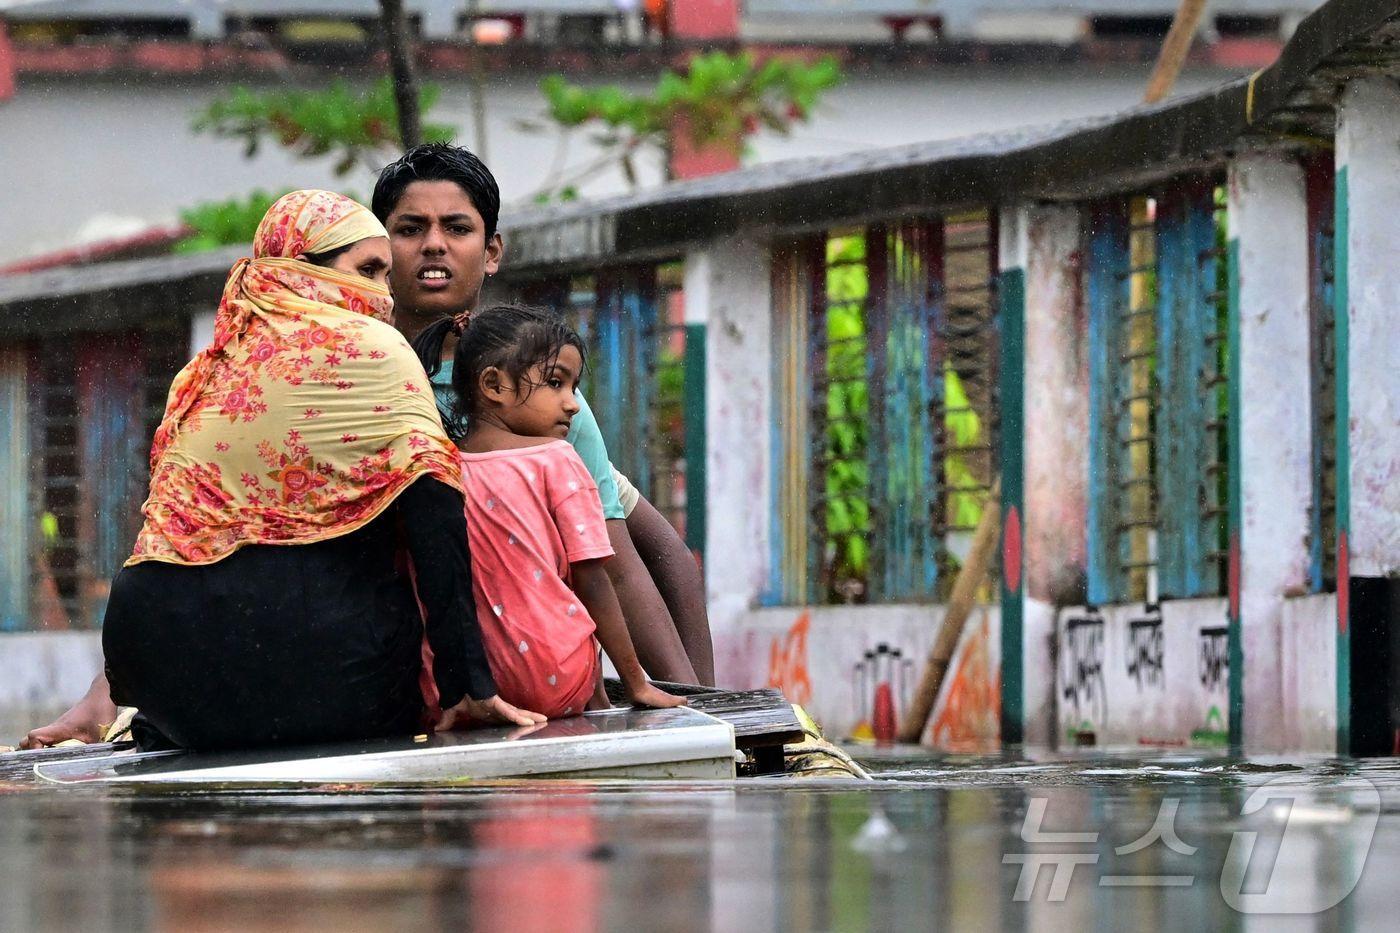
(224, 223)
(354, 127)
(846, 484)
(719, 100)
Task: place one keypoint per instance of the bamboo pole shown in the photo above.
(960, 604)
(1174, 50)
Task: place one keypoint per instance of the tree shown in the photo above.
(720, 100)
(401, 71)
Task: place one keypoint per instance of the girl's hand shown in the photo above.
(491, 710)
(646, 694)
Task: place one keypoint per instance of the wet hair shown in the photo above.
(514, 338)
(439, 162)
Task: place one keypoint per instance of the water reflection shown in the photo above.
(754, 856)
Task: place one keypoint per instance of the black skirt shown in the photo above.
(294, 644)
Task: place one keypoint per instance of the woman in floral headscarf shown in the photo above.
(299, 454)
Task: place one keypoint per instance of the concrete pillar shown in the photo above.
(696, 22)
(728, 290)
(695, 315)
(1368, 408)
(1044, 509)
(206, 20)
(1368, 153)
(1268, 223)
(700, 20)
(1013, 248)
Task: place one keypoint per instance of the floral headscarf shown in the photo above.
(306, 416)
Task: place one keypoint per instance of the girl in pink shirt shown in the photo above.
(535, 525)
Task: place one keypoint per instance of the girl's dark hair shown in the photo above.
(514, 338)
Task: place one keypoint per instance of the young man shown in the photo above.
(440, 204)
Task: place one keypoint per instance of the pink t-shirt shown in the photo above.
(531, 512)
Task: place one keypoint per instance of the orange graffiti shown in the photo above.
(970, 715)
(787, 663)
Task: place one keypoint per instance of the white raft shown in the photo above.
(617, 743)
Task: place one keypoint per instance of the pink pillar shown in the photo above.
(695, 21)
(7, 64)
(704, 19)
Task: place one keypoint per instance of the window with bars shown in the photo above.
(885, 409)
(93, 405)
(1157, 288)
(1322, 537)
(632, 320)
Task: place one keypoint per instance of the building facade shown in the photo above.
(1154, 347)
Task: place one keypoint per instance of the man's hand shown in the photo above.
(647, 694)
(491, 710)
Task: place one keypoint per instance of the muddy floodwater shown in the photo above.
(1109, 842)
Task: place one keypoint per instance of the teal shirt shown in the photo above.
(584, 434)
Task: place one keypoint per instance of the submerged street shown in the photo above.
(940, 840)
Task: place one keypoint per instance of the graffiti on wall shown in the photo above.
(971, 710)
(787, 662)
(1146, 652)
(1213, 669)
(1082, 686)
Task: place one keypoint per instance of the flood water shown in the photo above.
(937, 841)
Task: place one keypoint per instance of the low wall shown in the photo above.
(1129, 676)
(1309, 673)
(41, 674)
(813, 654)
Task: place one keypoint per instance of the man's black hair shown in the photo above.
(439, 162)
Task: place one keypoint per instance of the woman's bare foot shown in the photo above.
(84, 722)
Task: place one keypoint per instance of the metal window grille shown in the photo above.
(1158, 296)
(666, 446)
(885, 408)
(1322, 538)
(632, 323)
(16, 505)
(1214, 279)
(56, 412)
(1193, 368)
(967, 413)
(798, 289)
(1136, 402)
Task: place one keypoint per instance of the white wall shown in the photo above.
(812, 654)
(1133, 677)
(1368, 148)
(1309, 673)
(1268, 217)
(728, 283)
(42, 674)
